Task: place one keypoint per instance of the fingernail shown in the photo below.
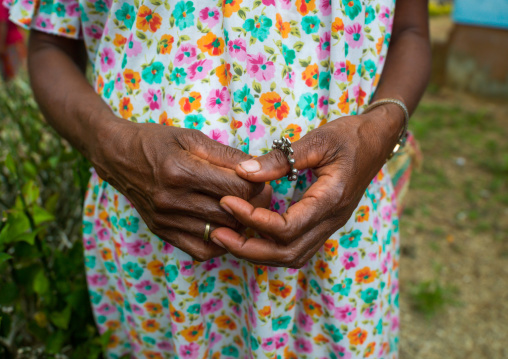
(251, 166)
(217, 242)
(226, 208)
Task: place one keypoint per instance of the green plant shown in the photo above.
(44, 306)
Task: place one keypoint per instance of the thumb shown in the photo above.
(275, 164)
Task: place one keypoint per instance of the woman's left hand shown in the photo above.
(345, 155)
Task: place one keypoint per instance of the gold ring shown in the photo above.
(207, 232)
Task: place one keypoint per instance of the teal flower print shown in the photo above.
(351, 240)
(95, 298)
(100, 6)
(245, 145)
(289, 55)
(171, 272)
(370, 15)
(101, 319)
(60, 10)
(194, 121)
(108, 88)
(87, 227)
(46, 6)
(344, 287)
(131, 225)
(153, 73)
(183, 14)
(369, 295)
(178, 75)
(281, 322)
(308, 105)
(301, 182)
(324, 80)
(230, 351)
(126, 14)
(281, 185)
(310, 24)
(110, 267)
(90, 261)
(133, 269)
(370, 67)
(315, 286)
(194, 309)
(140, 298)
(226, 36)
(149, 340)
(352, 7)
(254, 344)
(334, 332)
(245, 99)
(127, 306)
(234, 295)
(207, 286)
(259, 28)
(165, 303)
(84, 17)
(379, 326)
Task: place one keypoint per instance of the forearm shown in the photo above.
(3, 36)
(70, 105)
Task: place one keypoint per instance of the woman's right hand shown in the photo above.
(175, 178)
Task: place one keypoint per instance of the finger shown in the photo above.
(263, 199)
(188, 224)
(195, 246)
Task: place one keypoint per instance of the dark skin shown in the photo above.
(179, 179)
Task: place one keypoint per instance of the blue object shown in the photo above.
(491, 13)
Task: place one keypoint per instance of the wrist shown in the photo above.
(390, 120)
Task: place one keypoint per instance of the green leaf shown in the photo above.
(305, 62)
(16, 226)
(41, 283)
(30, 192)
(269, 50)
(266, 120)
(55, 342)
(9, 293)
(298, 45)
(9, 163)
(273, 86)
(4, 257)
(238, 69)
(242, 14)
(140, 35)
(40, 215)
(61, 319)
(256, 86)
(156, 2)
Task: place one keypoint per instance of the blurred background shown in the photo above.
(454, 252)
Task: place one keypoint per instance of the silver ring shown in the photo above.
(284, 144)
(207, 232)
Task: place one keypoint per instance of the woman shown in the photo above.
(226, 78)
(12, 46)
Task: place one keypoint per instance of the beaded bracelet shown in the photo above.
(403, 134)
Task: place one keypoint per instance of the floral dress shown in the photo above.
(244, 72)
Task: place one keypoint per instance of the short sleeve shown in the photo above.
(50, 16)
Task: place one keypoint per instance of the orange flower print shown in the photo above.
(265, 311)
(291, 304)
(283, 26)
(194, 289)
(289, 354)
(211, 44)
(305, 6)
(280, 289)
(115, 296)
(176, 315)
(228, 276)
(230, 6)
(312, 308)
(365, 275)
(165, 120)
(112, 324)
(89, 210)
(293, 131)
(149, 354)
(360, 95)
(322, 269)
(153, 308)
(148, 20)
(100, 85)
(337, 25)
(119, 40)
(273, 106)
(131, 79)
(190, 103)
(156, 268)
(68, 30)
(332, 247)
(357, 336)
(125, 107)
(165, 44)
(369, 350)
(311, 75)
(320, 339)
(261, 274)
(379, 44)
(193, 333)
(362, 214)
(344, 103)
(223, 72)
(225, 322)
(234, 124)
(113, 341)
(302, 280)
(150, 325)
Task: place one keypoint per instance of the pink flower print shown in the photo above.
(106, 309)
(97, 280)
(89, 243)
(139, 248)
(186, 54)
(165, 346)
(323, 49)
(147, 287)
(219, 136)
(153, 98)
(119, 283)
(73, 10)
(376, 224)
(395, 322)
(171, 294)
(234, 263)
(354, 35)
(328, 301)
(395, 286)
(119, 82)
(237, 310)
(384, 265)
(289, 79)
(254, 289)
(133, 47)
(341, 351)
(305, 322)
(323, 105)
(303, 345)
(103, 234)
(259, 68)
(167, 248)
(218, 101)
(325, 6)
(94, 31)
(211, 306)
(280, 340)
(299, 293)
(252, 317)
(278, 205)
(130, 320)
(209, 16)
(285, 4)
(186, 268)
(214, 338)
(372, 256)
(349, 260)
(346, 313)
(255, 128)
(385, 15)
(27, 4)
(386, 213)
(43, 23)
(107, 59)
(268, 2)
(340, 73)
(268, 344)
(189, 351)
(370, 311)
(238, 49)
(199, 70)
